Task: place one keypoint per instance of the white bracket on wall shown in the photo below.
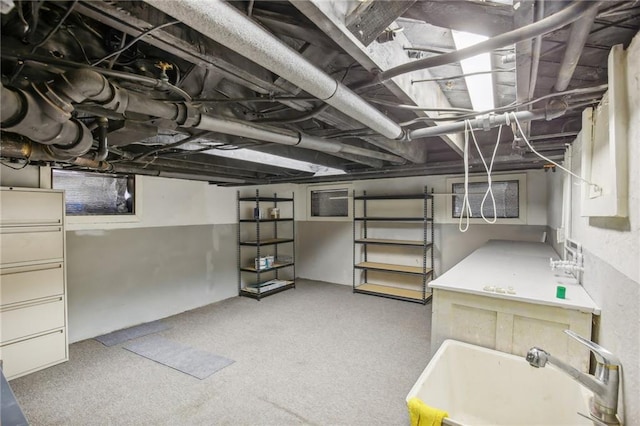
(605, 146)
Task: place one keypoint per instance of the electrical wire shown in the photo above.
(26, 163)
(598, 88)
(46, 38)
(418, 108)
(56, 28)
(115, 57)
(134, 41)
(454, 77)
(526, 140)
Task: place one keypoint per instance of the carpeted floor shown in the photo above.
(317, 355)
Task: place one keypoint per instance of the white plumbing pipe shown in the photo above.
(223, 23)
(287, 137)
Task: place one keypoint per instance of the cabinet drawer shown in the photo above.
(28, 244)
(33, 354)
(19, 208)
(24, 283)
(38, 317)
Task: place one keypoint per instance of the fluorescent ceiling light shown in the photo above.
(480, 86)
(276, 160)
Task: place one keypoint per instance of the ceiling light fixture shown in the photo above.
(480, 86)
(276, 160)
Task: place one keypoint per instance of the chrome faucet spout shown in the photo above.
(603, 384)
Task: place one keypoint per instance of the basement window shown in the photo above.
(510, 193)
(329, 203)
(96, 194)
(506, 194)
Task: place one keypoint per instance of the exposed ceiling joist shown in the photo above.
(372, 17)
(483, 18)
(330, 15)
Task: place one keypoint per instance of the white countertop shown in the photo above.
(519, 267)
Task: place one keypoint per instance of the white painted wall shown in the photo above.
(169, 202)
(178, 253)
(27, 177)
(612, 269)
(325, 249)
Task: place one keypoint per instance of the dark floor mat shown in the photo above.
(195, 362)
(125, 334)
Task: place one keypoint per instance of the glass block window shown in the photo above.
(506, 193)
(95, 194)
(330, 203)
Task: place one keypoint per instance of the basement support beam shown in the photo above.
(330, 15)
(483, 18)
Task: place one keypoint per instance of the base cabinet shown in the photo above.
(509, 326)
(33, 296)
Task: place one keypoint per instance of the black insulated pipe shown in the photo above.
(33, 113)
(577, 39)
(77, 86)
(558, 20)
(103, 148)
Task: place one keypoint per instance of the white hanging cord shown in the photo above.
(593, 185)
(466, 209)
(489, 190)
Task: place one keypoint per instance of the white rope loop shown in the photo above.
(466, 208)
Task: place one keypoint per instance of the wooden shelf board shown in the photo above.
(264, 199)
(266, 242)
(393, 197)
(388, 267)
(253, 295)
(275, 266)
(392, 291)
(393, 219)
(266, 220)
(391, 242)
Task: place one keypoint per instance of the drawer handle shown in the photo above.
(34, 268)
(31, 229)
(31, 222)
(32, 304)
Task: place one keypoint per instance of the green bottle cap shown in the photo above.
(561, 292)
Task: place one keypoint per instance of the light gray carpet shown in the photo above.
(191, 361)
(121, 336)
(317, 355)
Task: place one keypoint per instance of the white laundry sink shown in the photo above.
(480, 386)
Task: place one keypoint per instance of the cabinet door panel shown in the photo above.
(19, 208)
(32, 354)
(26, 320)
(24, 283)
(30, 244)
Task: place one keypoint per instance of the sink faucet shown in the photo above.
(603, 384)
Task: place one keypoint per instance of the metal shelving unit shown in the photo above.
(407, 291)
(255, 286)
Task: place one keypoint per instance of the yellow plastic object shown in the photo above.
(423, 415)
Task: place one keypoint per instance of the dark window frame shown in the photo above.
(455, 199)
(71, 204)
(343, 193)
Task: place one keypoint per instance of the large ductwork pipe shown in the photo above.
(33, 114)
(287, 137)
(223, 23)
(577, 39)
(15, 146)
(80, 85)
